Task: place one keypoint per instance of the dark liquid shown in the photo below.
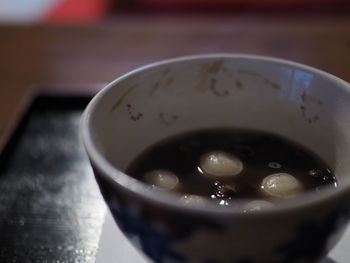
(261, 153)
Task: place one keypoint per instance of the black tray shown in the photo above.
(50, 207)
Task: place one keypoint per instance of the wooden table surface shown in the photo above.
(37, 187)
(94, 53)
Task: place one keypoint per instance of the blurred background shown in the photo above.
(93, 10)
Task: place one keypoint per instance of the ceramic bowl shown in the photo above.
(159, 100)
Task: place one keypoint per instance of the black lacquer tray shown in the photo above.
(50, 207)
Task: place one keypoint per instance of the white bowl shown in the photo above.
(156, 101)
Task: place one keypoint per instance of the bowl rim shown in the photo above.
(171, 199)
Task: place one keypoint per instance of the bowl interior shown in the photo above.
(164, 99)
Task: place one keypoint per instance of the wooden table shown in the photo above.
(37, 187)
(84, 54)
